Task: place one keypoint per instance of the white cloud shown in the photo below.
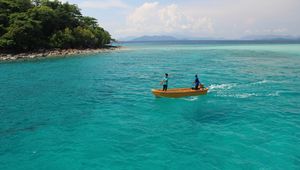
(234, 19)
(153, 18)
(206, 18)
(107, 4)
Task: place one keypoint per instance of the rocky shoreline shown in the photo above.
(53, 53)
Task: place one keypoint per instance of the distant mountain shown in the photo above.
(183, 38)
(155, 38)
(147, 38)
(270, 37)
(129, 38)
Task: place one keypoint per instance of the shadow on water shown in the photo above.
(16, 130)
(201, 109)
(209, 115)
(212, 111)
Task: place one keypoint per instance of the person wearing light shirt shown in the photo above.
(164, 82)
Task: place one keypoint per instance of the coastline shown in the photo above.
(53, 53)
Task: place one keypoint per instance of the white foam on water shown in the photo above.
(216, 87)
(239, 96)
(248, 95)
(277, 93)
(223, 90)
(192, 98)
(264, 82)
(245, 95)
(261, 82)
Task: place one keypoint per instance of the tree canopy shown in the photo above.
(43, 24)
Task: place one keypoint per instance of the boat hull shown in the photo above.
(179, 92)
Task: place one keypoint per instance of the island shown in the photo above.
(41, 28)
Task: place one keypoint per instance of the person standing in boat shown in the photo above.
(164, 82)
(196, 82)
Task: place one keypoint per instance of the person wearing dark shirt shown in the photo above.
(196, 82)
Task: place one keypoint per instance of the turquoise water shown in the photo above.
(97, 111)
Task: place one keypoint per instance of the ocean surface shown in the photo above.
(97, 111)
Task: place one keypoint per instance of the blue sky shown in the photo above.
(230, 19)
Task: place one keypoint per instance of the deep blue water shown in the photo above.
(97, 111)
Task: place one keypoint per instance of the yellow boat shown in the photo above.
(179, 92)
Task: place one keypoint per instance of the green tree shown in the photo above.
(85, 38)
(88, 22)
(8, 7)
(47, 17)
(23, 33)
(63, 39)
(39, 24)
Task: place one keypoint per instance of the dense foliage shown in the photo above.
(44, 24)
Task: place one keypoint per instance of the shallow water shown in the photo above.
(97, 112)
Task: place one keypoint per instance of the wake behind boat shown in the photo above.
(179, 92)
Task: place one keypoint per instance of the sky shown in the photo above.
(228, 19)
